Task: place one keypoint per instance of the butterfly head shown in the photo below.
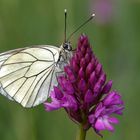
(65, 51)
(67, 46)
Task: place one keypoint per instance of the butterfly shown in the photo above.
(27, 75)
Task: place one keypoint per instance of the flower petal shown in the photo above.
(81, 73)
(98, 69)
(82, 63)
(69, 73)
(70, 102)
(58, 93)
(92, 79)
(52, 106)
(88, 97)
(82, 85)
(100, 108)
(113, 120)
(107, 125)
(99, 125)
(107, 87)
(113, 98)
(91, 118)
(89, 69)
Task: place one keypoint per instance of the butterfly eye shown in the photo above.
(67, 46)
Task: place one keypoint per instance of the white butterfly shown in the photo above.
(27, 75)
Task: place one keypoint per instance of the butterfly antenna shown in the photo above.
(65, 29)
(77, 29)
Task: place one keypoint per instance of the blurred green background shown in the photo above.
(115, 35)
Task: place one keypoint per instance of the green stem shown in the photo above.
(81, 135)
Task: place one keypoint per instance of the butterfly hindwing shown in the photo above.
(26, 74)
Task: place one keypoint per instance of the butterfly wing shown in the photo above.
(26, 74)
(4, 57)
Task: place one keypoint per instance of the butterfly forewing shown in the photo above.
(27, 75)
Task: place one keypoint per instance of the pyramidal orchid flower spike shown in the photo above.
(84, 93)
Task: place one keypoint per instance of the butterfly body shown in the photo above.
(27, 75)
